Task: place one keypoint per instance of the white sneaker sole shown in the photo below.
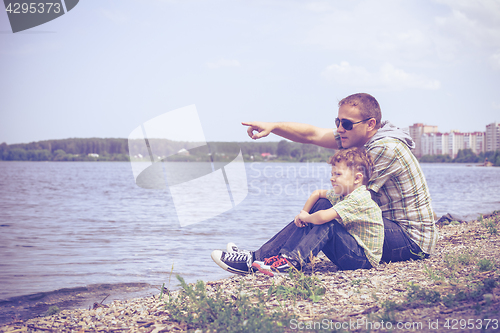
(264, 269)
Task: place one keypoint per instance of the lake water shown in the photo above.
(72, 224)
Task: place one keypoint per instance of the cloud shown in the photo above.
(223, 63)
(387, 78)
(469, 27)
(495, 61)
(484, 13)
(384, 30)
(425, 34)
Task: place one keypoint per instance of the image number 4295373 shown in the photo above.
(25, 15)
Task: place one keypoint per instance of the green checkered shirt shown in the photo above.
(362, 218)
(401, 191)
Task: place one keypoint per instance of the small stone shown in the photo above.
(488, 297)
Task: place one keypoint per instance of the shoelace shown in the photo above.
(240, 256)
(236, 256)
(281, 261)
(271, 260)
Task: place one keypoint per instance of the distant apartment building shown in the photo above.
(435, 143)
(428, 141)
(451, 143)
(476, 141)
(493, 137)
(416, 132)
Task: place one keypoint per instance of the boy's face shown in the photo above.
(343, 179)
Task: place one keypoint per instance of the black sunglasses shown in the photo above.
(347, 124)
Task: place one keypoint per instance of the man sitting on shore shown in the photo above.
(397, 184)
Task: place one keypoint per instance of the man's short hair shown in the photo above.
(366, 104)
(356, 159)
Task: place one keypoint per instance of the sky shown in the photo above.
(108, 66)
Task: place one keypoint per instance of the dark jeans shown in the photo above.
(336, 243)
(397, 244)
(331, 238)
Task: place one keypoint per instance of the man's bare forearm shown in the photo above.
(305, 133)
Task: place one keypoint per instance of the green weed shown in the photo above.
(472, 292)
(356, 282)
(491, 224)
(466, 257)
(456, 262)
(420, 255)
(166, 290)
(298, 285)
(418, 294)
(388, 308)
(52, 311)
(485, 265)
(242, 312)
(433, 274)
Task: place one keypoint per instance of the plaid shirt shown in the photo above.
(401, 191)
(362, 218)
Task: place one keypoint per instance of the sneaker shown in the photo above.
(231, 247)
(261, 267)
(281, 265)
(271, 260)
(272, 265)
(235, 262)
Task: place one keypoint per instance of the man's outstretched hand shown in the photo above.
(262, 128)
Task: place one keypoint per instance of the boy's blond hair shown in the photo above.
(356, 159)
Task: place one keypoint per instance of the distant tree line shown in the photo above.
(464, 156)
(67, 150)
(285, 151)
(115, 149)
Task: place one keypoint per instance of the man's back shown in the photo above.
(401, 190)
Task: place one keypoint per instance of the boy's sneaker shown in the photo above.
(261, 267)
(231, 247)
(272, 260)
(235, 262)
(275, 264)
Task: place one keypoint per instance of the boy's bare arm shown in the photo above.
(313, 198)
(319, 217)
(309, 204)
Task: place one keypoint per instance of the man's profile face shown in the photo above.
(357, 136)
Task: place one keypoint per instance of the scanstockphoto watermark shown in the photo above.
(292, 188)
(211, 187)
(438, 325)
(360, 324)
(269, 179)
(306, 170)
(25, 15)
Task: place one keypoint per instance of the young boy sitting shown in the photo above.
(343, 222)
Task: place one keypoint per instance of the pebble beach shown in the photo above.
(456, 289)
